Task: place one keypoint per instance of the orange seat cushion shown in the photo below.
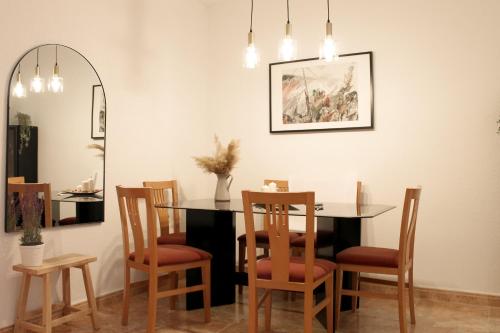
(297, 269)
(369, 256)
(326, 240)
(261, 236)
(177, 238)
(175, 254)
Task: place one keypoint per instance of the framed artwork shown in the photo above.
(98, 121)
(314, 95)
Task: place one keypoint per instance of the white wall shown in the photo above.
(437, 98)
(149, 55)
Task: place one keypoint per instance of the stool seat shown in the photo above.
(56, 264)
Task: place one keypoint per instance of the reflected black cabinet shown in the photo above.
(22, 158)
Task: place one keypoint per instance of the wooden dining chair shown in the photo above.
(299, 242)
(363, 259)
(262, 237)
(161, 191)
(25, 188)
(280, 271)
(153, 259)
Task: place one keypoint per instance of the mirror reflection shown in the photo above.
(56, 138)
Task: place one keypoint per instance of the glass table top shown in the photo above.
(67, 197)
(330, 209)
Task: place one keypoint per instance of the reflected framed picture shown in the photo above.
(315, 95)
(98, 121)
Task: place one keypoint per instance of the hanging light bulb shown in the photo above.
(288, 49)
(37, 85)
(56, 82)
(328, 49)
(252, 57)
(19, 90)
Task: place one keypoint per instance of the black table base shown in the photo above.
(214, 232)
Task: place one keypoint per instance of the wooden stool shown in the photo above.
(62, 263)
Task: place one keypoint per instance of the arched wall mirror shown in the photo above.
(56, 130)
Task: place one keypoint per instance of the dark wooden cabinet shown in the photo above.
(22, 161)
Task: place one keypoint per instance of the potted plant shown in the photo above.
(32, 245)
(221, 164)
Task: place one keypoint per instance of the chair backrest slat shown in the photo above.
(408, 225)
(161, 191)
(24, 188)
(277, 223)
(128, 201)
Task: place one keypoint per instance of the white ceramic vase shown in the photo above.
(32, 255)
(222, 189)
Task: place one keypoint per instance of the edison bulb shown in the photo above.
(37, 85)
(252, 57)
(328, 49)
(288, 48)
(56, 84)
(19, 91)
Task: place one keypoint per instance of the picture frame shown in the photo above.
(314, 95)
(98, 119)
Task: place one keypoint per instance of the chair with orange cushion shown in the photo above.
(161, 195)
(299, 242)
(153, 259)
(280, 271)
(261, 235)
(376, 260)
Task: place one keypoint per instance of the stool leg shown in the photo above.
(47, 304)
(66, 291)
(21, 305)
(87, 279)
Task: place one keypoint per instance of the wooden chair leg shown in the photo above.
(174, 284)
(241, 262)
(253, 319)
(402, 303)
(66, 289)
(338, 295)
(411, 296)
(205, 275)
(89, 288)
(355, 286)
(21, 305)
(126, 295)
(152, 301)
(329, 306)
(308, 311)
(267, 310)
(47, 304)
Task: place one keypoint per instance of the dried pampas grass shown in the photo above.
(223, 160)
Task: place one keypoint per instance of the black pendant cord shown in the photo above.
(328, 6)
(287, 11)
(19, 68)
(56, 55)
(37, 52)
(251, 18)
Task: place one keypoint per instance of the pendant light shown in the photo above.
(288, 49)
(251, 54)
(37, 85)
(19, 90)
(56, 82)
(328, 49)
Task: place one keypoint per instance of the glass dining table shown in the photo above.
(211, 226)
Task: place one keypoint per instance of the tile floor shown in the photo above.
(433, 316)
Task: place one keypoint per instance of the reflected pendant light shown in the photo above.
(37, 85)
(252, 57)
(56, 82)
(19, 90)
(288, 49)
(328, 49)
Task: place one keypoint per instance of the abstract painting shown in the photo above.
(311, 94)
(98, 122)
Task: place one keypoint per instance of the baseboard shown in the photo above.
(437, 294)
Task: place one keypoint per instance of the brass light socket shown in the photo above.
(37, 70)
(56, 70)
(250, 38)
(329, 28)
(288, 29)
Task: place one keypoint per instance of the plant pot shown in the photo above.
(32, 255)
